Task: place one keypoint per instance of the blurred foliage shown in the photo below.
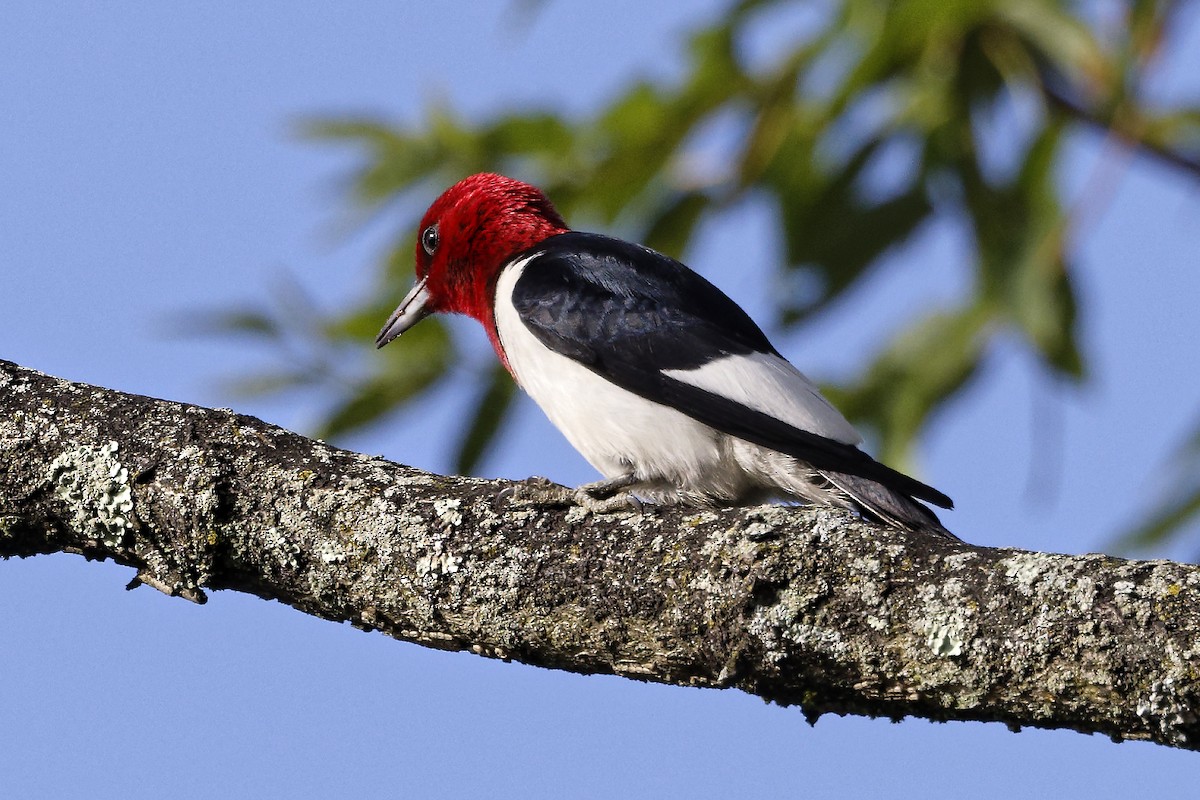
(1179, 505)
(879, 118)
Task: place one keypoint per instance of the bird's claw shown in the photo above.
(544, 493)
(622, 501)
(538, 491)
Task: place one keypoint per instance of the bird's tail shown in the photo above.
(888, 505)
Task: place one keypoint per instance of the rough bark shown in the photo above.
(796, 605)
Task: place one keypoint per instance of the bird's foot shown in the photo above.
(609, 495)
(600, 497)
(621, 501)
(538, 491)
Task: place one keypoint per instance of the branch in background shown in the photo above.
(794, 605)
(1068, 105)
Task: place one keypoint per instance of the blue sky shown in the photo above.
(149, 166)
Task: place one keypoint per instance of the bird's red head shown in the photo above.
(465, 237)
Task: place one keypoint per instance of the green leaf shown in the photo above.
(1174, 131)
(1020, 229)
(250, 386)
(671, 229)
(413, 364)
(831, 228)
(537, 133)
(395, 159)
(914, 375)
(251, 322)
(1059, 38)
(491, 408)
(1178, 509)
(1164, 522)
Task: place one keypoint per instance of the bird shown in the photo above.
(660, 381)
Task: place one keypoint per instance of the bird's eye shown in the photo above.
(429, 238)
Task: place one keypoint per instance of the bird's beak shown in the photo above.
(410, 311)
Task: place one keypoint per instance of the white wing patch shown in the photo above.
(770, 384)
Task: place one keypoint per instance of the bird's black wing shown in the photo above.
(631, 315)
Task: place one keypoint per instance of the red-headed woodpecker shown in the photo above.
(664, 384)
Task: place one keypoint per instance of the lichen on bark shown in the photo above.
(800, 606)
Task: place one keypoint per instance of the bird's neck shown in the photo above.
(487, 317)
(477, 300)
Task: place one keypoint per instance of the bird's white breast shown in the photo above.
(615, 430)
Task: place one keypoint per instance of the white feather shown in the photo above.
(770, 384)
(673, 456)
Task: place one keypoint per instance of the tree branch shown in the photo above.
(1130, 133)
(798, 606)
